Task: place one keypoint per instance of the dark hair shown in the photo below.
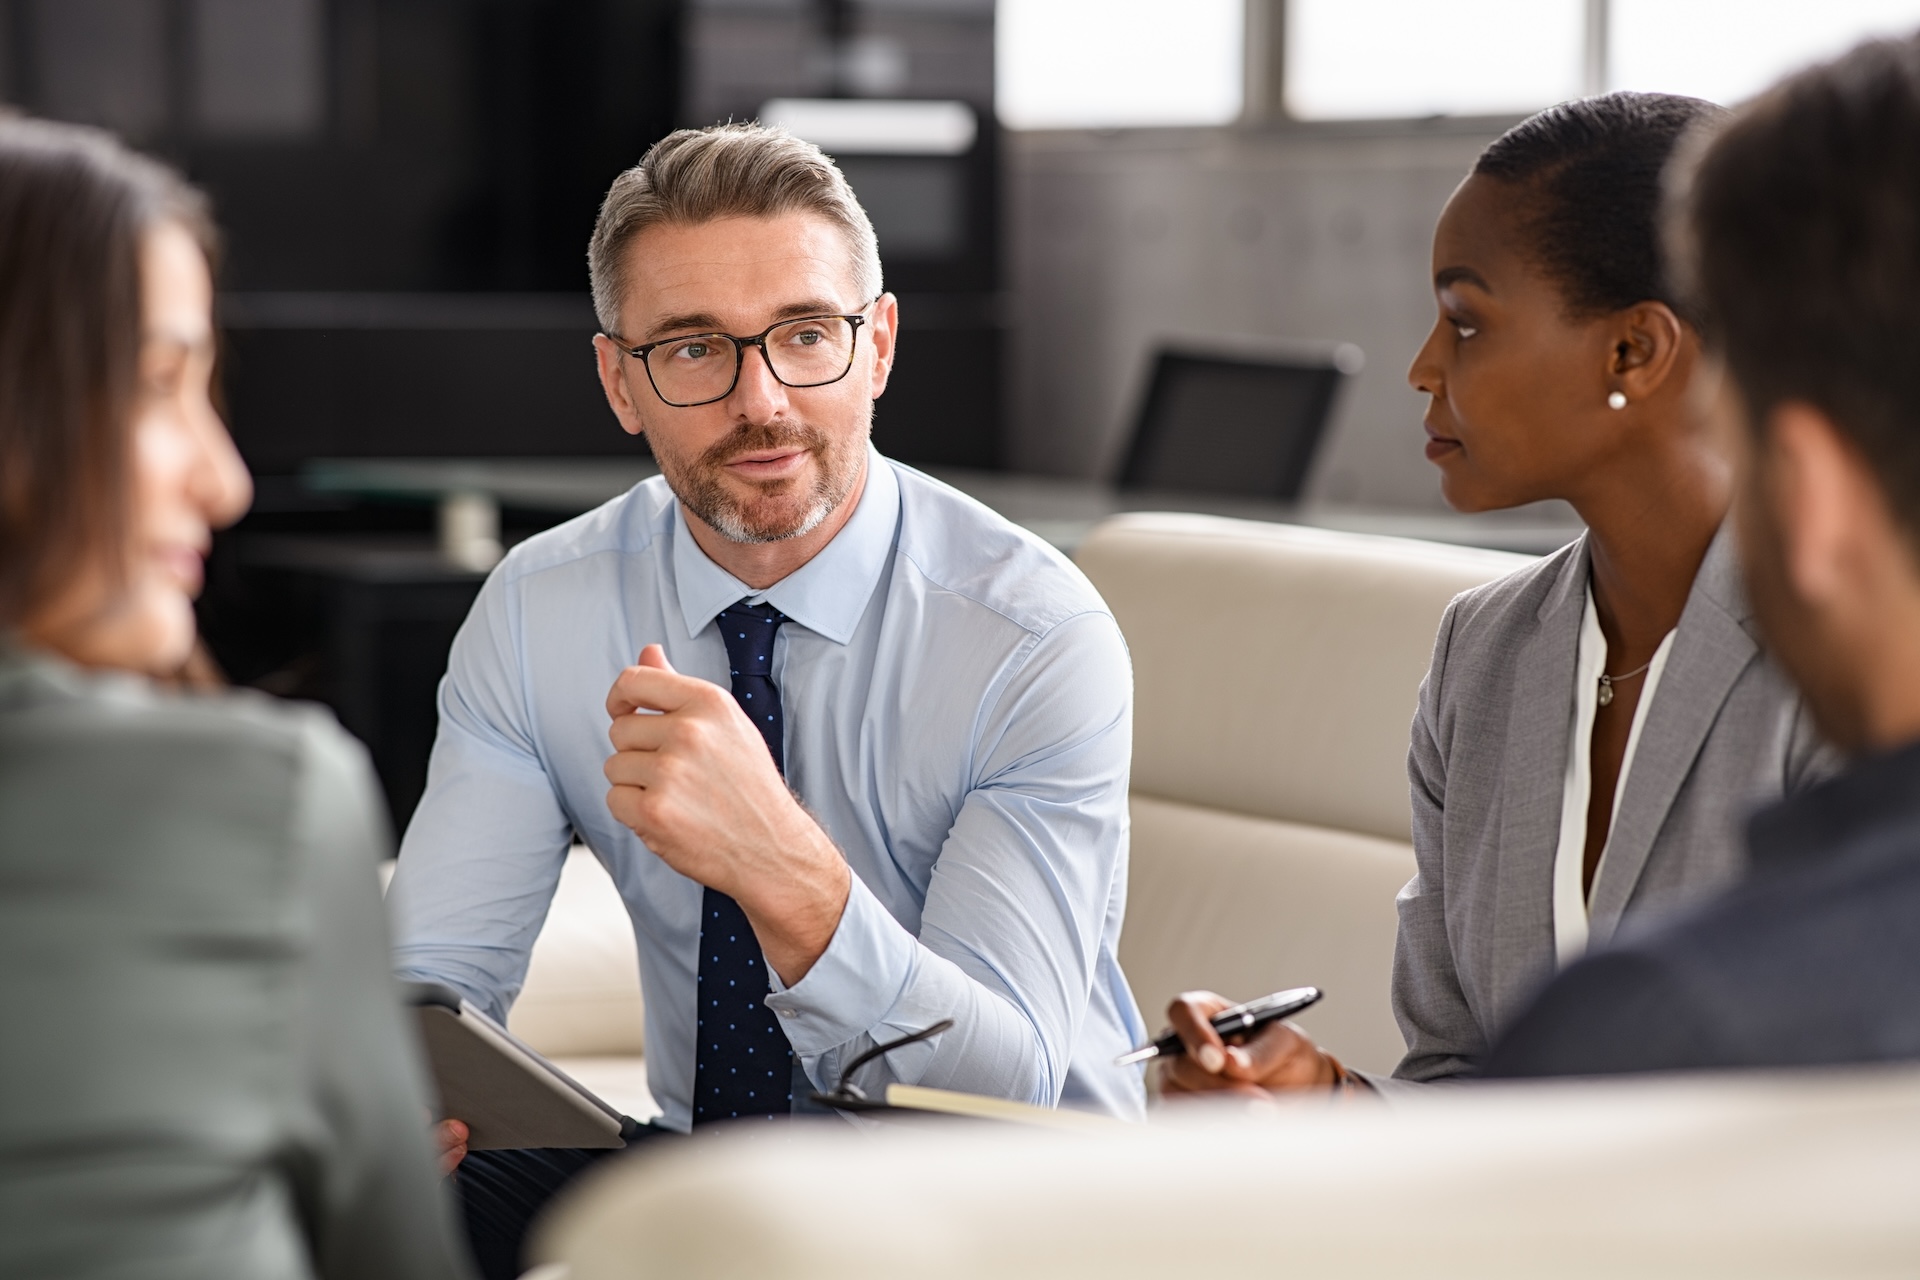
(74, 206)
(1798, 229)
(1591, 171)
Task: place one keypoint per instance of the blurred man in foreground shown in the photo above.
(1800, 229)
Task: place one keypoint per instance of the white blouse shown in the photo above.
(1569, 895)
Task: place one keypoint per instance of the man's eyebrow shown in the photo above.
(690, 322)
(809, 307)
(1448, 276)
(706, 322)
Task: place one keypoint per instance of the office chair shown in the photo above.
(1234, 423)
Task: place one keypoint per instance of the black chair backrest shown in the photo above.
(1245, 425)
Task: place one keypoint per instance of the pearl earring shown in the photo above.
(1618, 400)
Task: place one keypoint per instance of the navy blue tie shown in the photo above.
(742, 1063)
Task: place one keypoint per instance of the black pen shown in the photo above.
(1238, 1020)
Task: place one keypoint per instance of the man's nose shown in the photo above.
(758, 396)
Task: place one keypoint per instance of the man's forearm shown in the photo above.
(795, 918)
(877, 981)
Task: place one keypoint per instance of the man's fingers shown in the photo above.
(652, 688)
(638, 732)
(641, 769)
(451, 1137)
(654, 657)
(1189, 1015)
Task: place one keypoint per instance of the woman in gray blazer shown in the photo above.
(1592, 727)
(203, 1069)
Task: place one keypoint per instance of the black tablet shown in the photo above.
(507, 1095)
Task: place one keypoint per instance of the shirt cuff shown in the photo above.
(853, 985)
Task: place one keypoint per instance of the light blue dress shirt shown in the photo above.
(958, 706)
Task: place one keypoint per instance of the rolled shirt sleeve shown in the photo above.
(1010, 939)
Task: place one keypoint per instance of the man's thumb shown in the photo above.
(656, 657)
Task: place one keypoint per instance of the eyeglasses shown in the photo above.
(848, 1096)
(700, 368)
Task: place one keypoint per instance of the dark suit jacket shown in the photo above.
(204, 1071)
(1815, 959)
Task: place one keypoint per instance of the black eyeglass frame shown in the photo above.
(740, 346)
(848, 1096)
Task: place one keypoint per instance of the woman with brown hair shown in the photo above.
(203, 1071)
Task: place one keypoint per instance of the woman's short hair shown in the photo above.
(1589, 177)
(1798, 230)
(75, 206)
(726, 171)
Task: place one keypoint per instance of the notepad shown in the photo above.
(914, 1097)
(908, 1100)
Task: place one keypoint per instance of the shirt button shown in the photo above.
(786, 1013)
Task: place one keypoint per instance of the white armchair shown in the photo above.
(1275, 675)
(581, 1003)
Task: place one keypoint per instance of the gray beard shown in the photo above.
(700, 491)
(727, 520)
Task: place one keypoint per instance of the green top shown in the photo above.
(203, 1069)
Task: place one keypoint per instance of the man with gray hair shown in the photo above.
(869, 769)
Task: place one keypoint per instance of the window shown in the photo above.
(1727, 50)
(1362, 59)
(1079, 64)
(1359, 59)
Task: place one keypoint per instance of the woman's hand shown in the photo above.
(1276, 1057)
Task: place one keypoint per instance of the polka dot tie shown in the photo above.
(742, 1063)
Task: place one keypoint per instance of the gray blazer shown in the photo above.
(1488, 764)
(203, 1068)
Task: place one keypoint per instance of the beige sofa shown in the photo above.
(1736, 1178)
(1275, 669)
(1275, 673)
(581, 1002)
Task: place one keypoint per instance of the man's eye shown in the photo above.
(805, 337)
(694, 351)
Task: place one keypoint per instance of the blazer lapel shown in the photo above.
(1538, 728)
(1710, 650)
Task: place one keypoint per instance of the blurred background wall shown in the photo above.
(407, 189)
(1119, 241)
(408, 185)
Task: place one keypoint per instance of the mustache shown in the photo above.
(752, 437)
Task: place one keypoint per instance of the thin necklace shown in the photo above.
(1607, 682)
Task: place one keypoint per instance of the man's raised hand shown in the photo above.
(692, 777)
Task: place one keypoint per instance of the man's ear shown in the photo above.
(1833, 519)
(1648, 343)
(886, 333)
(613, 381)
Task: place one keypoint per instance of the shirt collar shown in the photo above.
(828, 594)
(1877, 793)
